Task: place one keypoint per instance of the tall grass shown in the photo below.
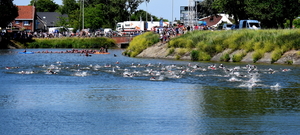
(140, 43)
(73, 42)
(205, 44)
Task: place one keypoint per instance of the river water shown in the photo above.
(57, 93)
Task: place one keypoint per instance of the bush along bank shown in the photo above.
(268, 46)
(72, 42)
(140, 43)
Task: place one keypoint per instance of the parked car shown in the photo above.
(234, 26)
(227, 26)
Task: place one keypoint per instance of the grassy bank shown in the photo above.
(203, 45)
(141, 42)
(73, 42)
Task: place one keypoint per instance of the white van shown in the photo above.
(106, 30)
(249, 24)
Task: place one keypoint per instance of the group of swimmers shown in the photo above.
(84, 51)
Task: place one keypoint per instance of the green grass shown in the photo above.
(72, 43)
(203, 45)
(140, 43)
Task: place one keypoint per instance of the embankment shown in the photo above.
(159, 51)
(249, 46)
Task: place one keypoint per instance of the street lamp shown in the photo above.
(147, 1)
(172, 12)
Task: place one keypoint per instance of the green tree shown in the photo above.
(68, 6)
(291, 10)
(205, 8)
(99, 13)
(44, 5)
(296, 23)
(235, 8)
(75, 19)
(94, 17)
(272, 13)
(63, 21)
(8, 12)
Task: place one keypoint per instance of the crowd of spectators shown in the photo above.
(165, 33)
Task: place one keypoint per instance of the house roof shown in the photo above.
(26, 13)
(50, 17)
(216, 20)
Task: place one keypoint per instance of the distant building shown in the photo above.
(188, 14)
(29, 20)
(46, 20)
(25, 20)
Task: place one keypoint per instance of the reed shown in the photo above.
(73, 42)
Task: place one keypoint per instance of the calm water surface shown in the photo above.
(95, 95)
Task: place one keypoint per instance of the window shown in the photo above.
(26, 23)
(17, 22)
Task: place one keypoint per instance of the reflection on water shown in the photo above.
(72, 94)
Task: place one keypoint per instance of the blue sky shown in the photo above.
(159, 8)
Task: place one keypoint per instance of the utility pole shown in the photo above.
(83, 14)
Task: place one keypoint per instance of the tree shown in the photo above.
(44, 5)
(99, 13)
(68, 6)
(296, 23)
(205, 8)
(235, 8)
(94, 17)
(291, 10)
(272, 13)
(8, 12)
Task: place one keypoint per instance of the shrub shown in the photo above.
(238, 57)
(219, 48)
(225, 57)
(171, 51)
(276, 55)
(177, 57)
(248, 46)
(190, 44)
(203, 56)
(181, 51)
(195, 55)
(141, 42)
(290, 62)
(258, 54)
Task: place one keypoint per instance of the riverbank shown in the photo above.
(262, 46)
(160, 51)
